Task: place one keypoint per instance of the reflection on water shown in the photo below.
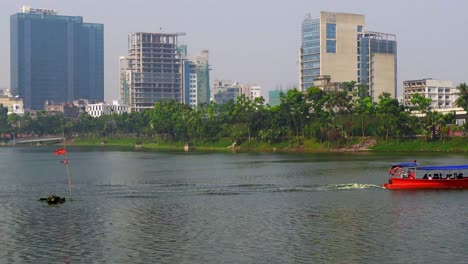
(137, 207)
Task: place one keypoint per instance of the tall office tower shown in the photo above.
(152, 71)
(197, 80)
(55, 58)
(378, 64)
(331, 46)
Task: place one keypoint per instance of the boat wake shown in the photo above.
(330, 187)
(241, 189)
(351, 186)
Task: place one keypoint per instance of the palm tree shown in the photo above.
(462, 100)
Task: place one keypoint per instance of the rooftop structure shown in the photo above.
(41, 11)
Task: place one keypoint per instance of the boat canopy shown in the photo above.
(405, 164)
(450, 167)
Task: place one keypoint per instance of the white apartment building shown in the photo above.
(255, 92)
(99, 109)
(193, 90)
(442, 93)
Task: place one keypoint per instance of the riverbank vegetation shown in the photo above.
(313, 120)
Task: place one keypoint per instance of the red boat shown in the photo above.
(407, 175)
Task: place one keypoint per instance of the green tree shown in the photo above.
(364, 107)
(462, 100)
(388, 111)
(421, 103)
(3, 119)
(14, 122)
(296, 110)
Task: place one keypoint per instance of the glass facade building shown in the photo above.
(336, 48)
(310, 52)
(55, 58)
(370, 44)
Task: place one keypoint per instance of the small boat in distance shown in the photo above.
(409, 175)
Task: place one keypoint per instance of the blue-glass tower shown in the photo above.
(310, 52)
(55, 58)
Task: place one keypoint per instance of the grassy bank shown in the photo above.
(311, 145)
(222, 145)
(458, 144)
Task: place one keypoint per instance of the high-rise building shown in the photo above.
(378, 64)
(152, 71)
(55, 58)
(442, 93)
(336, 45)
(197, 80)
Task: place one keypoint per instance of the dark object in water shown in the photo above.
(53, 199)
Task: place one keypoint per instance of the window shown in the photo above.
(359, 28)
(331, 46)
(331, 31)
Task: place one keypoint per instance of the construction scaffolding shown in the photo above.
(152, 71)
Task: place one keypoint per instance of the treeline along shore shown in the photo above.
(314, 120)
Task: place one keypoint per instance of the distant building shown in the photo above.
(250, 91)
(152, 71)
(99, 109)
(197, 80)
(324, 82)
(55, 58)
(274, 97)
(225, 91)
(14, 105)
(336, 45)
(255, 92)
(67, 109)
(442, 93)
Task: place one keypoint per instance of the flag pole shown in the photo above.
(68, 168)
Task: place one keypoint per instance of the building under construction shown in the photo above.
(152, 70)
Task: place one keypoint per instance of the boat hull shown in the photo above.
(405, 183)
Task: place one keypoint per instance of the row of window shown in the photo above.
(331, 38)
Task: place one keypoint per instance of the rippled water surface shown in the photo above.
(150, 207)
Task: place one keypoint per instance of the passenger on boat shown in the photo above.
(430, 176)
(425, 176)
(411, 175)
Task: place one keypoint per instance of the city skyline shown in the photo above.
(253, 44)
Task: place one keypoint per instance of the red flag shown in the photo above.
(60, 152)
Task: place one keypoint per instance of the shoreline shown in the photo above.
(454, 145)
(354, 145)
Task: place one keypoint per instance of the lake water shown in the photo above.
(175, 207)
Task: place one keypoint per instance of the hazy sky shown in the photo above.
(257, 41)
